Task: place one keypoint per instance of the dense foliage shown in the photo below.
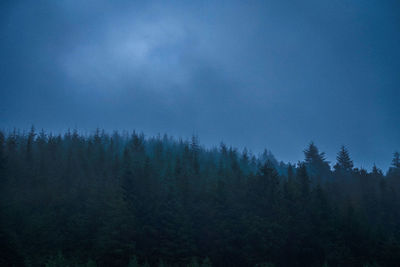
(127, 200)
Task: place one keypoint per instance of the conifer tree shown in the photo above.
(108, 197)
(2, 155)
(396, 160)
(344, 162)
(303, 181)
(394, 170)
(312, 154)
(29, 145)
(315, 163)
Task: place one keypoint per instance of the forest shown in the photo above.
(125, 199)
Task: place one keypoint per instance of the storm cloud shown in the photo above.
(259, 74)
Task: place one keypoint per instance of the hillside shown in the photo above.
(119, 199)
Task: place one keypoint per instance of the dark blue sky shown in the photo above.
(262, 74)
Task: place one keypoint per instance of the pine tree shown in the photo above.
(303, 181)
(194, 147)
(106, 198)
(2, 155)
(29, 145)
(315, 162)
(265, 190)
(312, 154)
(376, 172)
(290, 188)
(344, 162)
(396, 160)
(394, 170)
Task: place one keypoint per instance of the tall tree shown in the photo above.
(394, 170)
(2, 155)
(315, 163)
(29, 145)
(108, 198)
(303, 181)
(344, 162)
(396, 160)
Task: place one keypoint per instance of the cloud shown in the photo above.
(138, 50)
(274, 74)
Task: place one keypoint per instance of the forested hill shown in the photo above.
(127, 200)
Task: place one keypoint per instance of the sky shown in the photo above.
(255, 74)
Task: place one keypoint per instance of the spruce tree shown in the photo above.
(315, 163)
(312, 154)
(2, 155)
(396, 160)
(344, 162)
(303, 181)
(394, 170)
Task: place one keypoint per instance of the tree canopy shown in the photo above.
(129, 200)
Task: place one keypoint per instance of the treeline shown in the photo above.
(126, 200)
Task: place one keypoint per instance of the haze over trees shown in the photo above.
(126, 200)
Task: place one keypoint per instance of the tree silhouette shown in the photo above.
(126, 200)
(344, 162)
